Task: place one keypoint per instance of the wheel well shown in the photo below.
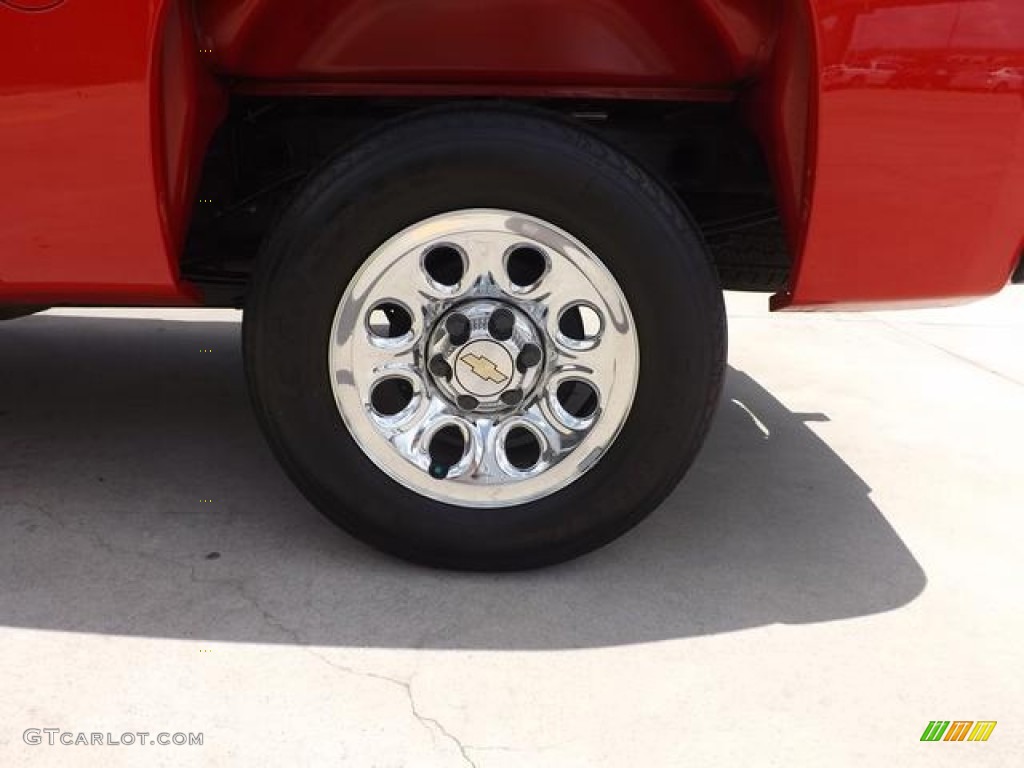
(267, 146)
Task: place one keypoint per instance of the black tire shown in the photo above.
(440, 161)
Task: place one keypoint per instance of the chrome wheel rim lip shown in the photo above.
(485, 476)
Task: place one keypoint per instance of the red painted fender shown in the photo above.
(895, 127)
(104, 117)
(915, 173)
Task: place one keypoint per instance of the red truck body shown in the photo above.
(481, 246)
(894, 129)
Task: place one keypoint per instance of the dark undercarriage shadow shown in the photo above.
(129, 456)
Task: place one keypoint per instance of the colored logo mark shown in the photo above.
(958, 730)
(484, 368)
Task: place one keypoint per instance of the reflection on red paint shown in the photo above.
(918, 187)
(975, 46)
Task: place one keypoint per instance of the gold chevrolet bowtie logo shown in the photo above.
(484, 368)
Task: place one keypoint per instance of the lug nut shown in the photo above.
(440, 368)
(512, 396)
(457, 326)
(501, 324)
(528, 357)
(467, 402)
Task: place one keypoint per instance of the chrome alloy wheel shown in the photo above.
(483, 358)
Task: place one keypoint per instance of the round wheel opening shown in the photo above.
(525, 265)
(580, 325)
(445, 265)
(577, 398)
(522, 448)
(391, 396)
(389, 320)
(447, 447)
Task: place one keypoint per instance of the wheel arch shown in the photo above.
(759, 56)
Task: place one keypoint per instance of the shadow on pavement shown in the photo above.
(129, 456)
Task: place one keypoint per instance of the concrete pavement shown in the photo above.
(843, 564)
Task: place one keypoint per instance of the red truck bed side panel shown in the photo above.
(83, 202)
(918, 171)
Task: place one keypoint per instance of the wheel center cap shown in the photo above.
(484, 368)
(485, 356)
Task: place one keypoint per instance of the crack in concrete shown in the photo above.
(437, 723)
(431, 724)
(406, 686)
